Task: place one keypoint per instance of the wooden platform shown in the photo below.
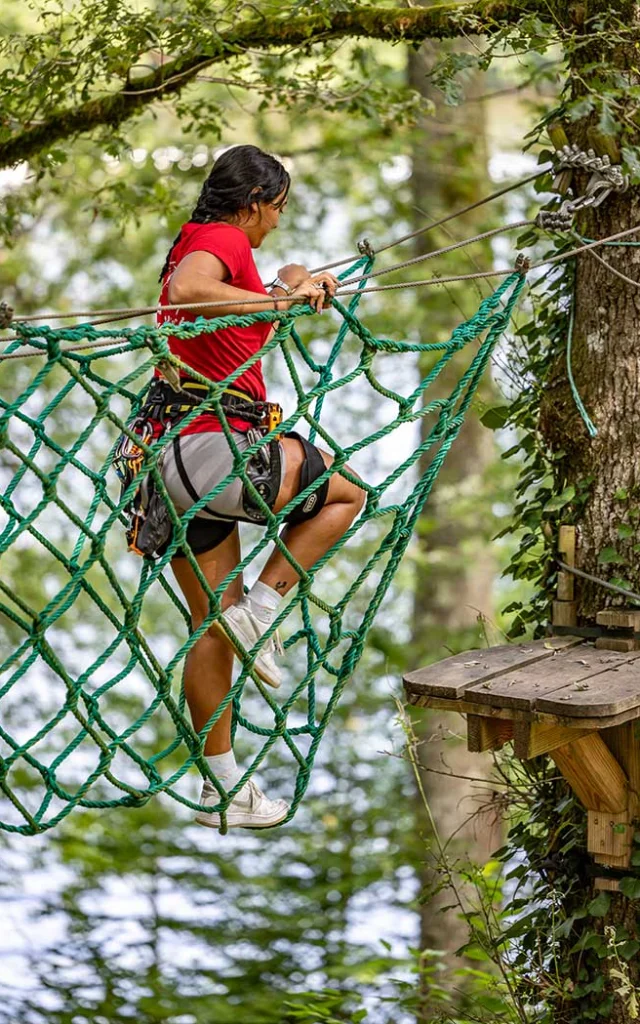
(561, 696)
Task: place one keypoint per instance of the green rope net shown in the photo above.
(111, 725)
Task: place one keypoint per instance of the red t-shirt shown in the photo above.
(219, 354)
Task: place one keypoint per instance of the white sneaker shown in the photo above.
(250, 808)
(249, 629)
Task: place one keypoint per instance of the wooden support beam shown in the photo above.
(610, 860)
(564, 613)
(593, 774)
(530, 739)
(487, 733)
(623, 644)
(606, 884)
(619, 618)
(624, 743)
(603, 839)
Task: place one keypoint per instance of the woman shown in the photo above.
(211, 260)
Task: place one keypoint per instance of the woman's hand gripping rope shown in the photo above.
(317, 290)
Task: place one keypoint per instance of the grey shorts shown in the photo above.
(206, 460)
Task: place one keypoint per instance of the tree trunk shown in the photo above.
(606, 368)
(456, 569)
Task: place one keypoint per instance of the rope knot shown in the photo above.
(53, 347)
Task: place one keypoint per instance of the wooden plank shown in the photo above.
(593, 774)
(619, 618)
(487, 733)
(451, 677)
(525, 687)
(463, 707)
(530, 739)
(607, 693)
(616, 643)
(606, 884)
(611, 862)
(467, 707)
(602, 839)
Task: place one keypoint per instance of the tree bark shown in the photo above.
(606, 368)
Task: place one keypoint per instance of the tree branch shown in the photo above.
(406, 24)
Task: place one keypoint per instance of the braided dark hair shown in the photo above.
(240, 176)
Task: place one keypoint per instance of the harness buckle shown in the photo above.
(272, 416)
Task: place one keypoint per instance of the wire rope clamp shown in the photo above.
(523, 264)
(365, 248)
(6, 315)
(560, 219)
(605, 178)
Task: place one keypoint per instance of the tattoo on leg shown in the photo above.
(281, 585)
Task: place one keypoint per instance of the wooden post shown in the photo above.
(564, 608)
(559, 138)
(624, 743)
(604, 145)
(487, 733)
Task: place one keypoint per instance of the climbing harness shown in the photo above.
(166, 403)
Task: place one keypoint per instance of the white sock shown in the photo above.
(264, 601)
(225, 767)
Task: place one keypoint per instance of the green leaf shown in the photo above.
(609, 556)
(621, 494)
(625, 530)
(589, 940)
(628, 950)
(511, 451)
(600, 905)
(631, 888)
(559, 501)
(496, 417)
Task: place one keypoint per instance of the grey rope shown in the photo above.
(613, 270)
(112, 315)
(143, 311)
(585, 248)
(126, 314)
(444, 220)
(440, 252)
(596, 579)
